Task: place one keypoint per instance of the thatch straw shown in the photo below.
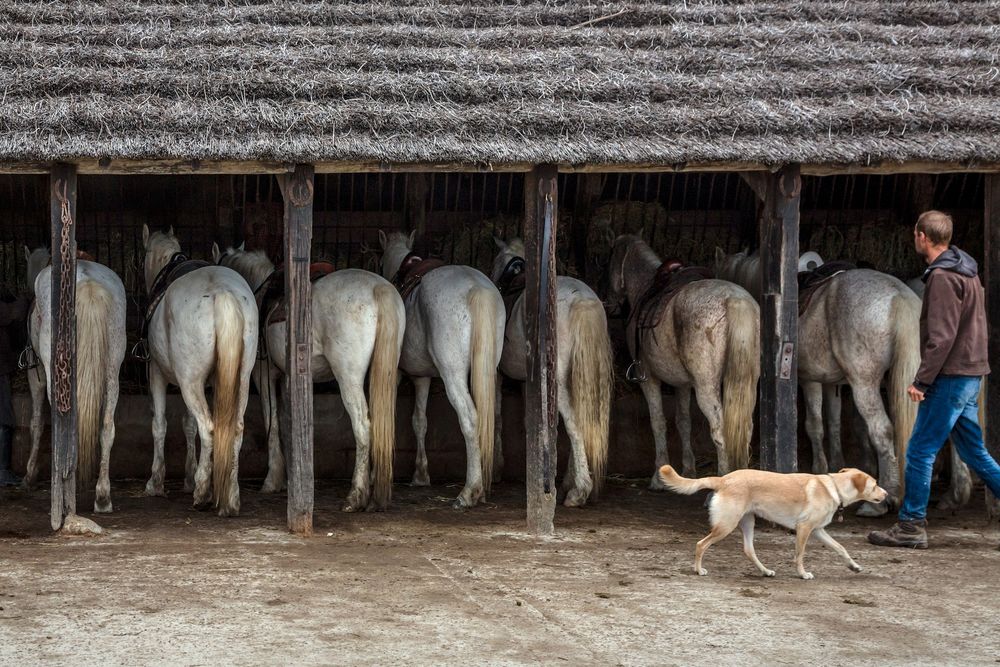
(494, 82)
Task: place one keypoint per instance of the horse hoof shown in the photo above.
(655, 484)
(872, 510)
(201, 505)
(102, 507)
(271, 487)
(576, 498)
(225, 512)
(27, 486)
(421, 480)
(155, 490)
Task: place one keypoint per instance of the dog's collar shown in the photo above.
(840, 500)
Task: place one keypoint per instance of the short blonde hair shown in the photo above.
(936, 226)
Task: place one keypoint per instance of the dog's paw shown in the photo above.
(854, 567)
(807, 576)
(701, 571)
(768, 573)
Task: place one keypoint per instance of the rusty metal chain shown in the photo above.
(63, 378)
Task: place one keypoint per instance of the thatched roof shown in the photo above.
(478, 82)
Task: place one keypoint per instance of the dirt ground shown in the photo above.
(424, 584)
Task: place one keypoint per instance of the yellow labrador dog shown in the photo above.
(799, 502)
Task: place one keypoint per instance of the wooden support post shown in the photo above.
(779, 320)
(991, 252)
(62, 205)
(588, 193)
(297, 191)
(540, 213)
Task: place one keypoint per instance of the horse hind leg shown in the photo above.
(683, 418)
(422, 389)
(711, 406)
(158, 392)
(460, 398)
(190, 458)
(275, 480)
(654, 402)
(868, 400)
(578, 480)
(36, 384)
(813, 392)
(102, 495)
(194, 398)
(832, 416)
(353, 395)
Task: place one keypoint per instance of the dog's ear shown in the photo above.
(860, 481)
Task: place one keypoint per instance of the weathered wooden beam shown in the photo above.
(62, 207)
(187, 166)
(779, 253)
(991, 242)
(541, 418)
(297, 191)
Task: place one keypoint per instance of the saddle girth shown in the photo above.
(411, 271)
(810, 282)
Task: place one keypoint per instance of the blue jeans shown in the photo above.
(950, 407)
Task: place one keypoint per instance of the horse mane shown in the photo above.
(253, 265)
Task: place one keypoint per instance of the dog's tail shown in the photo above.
(679, 484)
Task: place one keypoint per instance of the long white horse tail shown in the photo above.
(482, 308)
(382, 382)
(739, 381)
(229, 326)
(94, 307)
(905, 318)
(591, 380)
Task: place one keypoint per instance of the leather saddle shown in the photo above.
(667, 282)
(810, 282)
(272, 291)
(179, 265)
(412, 271)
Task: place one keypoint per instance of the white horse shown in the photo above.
(743, 268)
(357, 331)
(454, 330)
(584, 373)
(858, 327)
(100, 350)
(707, 339)
(203, 331)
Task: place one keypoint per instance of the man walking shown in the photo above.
(953, 358)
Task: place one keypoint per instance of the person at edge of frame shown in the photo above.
(953, 360)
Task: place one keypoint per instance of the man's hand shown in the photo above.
(915, 394)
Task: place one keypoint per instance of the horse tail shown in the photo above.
(739, 381)
(483, 346)
(905, 317)
(94, 307)
(382, 382)
(229, 325)
(591, 380)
